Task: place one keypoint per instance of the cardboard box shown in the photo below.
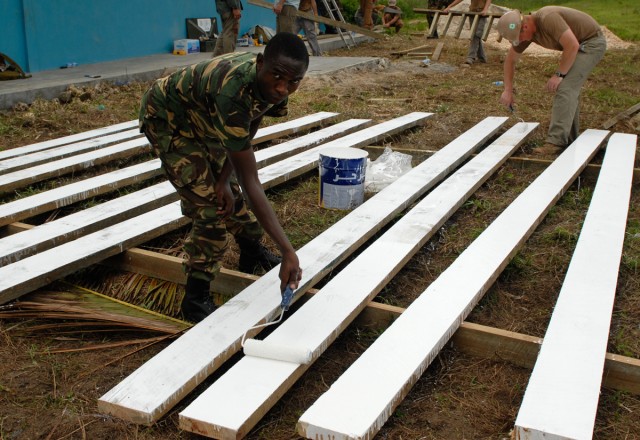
(185, 47)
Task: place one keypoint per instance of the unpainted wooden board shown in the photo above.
(259, 383)
(395, 361)
(620, 116)
(562, 395)
(151, 390)
(19, 151)
(33, 159)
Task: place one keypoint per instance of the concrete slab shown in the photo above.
(51, 83)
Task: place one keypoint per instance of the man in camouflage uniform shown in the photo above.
(200, 121)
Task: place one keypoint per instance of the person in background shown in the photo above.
(309, 26)
(391, 16)
(364, 14)
(200, 121)
(435, 4)
(476, 50)
(230, 12)
(286, 15)
(579, 37)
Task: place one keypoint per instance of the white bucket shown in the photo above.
(342, 173)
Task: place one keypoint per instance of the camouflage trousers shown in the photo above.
(193, 169)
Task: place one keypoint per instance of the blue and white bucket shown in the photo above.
(342, 173)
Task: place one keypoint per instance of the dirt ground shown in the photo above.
(53, 396)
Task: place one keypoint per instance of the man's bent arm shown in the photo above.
(244, 163)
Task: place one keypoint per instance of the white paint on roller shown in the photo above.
(277, 352)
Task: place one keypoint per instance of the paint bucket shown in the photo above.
(342, 172)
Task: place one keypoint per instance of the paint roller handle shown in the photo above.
(287, 296)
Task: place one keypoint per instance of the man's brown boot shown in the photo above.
(548, 149)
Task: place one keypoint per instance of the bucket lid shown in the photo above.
(344, 153)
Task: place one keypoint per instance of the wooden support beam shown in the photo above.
(436, 53)
(324, 20)
(413, 49)
(463, 19)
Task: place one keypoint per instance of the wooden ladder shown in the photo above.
(335, 14)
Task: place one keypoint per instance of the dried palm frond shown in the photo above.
(84, 312)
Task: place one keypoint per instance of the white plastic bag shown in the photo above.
(385, 170)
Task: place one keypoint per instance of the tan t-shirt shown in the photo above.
(477, 5)
(553, 21)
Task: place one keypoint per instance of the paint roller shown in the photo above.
(274, 351)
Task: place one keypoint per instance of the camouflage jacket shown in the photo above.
(212, 102)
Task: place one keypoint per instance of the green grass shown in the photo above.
(622, 17)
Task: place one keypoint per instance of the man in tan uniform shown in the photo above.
(583, 45)
(476, 51)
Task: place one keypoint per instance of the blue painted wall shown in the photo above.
(46, 34)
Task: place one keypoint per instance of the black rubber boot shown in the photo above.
(253, 256)
(197, 303)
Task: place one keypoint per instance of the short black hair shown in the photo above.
(288, 45)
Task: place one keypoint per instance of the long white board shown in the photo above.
(359, 403)
(150, 391)
(32, 159)
(239, 399)
(68, 194)
(26, 243)
(60, 167)
(53, 233)
(44, 145)
(74, 192)
(561, 399)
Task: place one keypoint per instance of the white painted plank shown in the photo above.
(38, 270)
(51, 234)
(65, 195)
(293, 126)
(17, 282)
(297, 145)
(263, 135)
(150, 391)
(38, 173)
(395, 361)
(26, 243)
(32, 159)
(68, 194)
(561, 399)
(19, 151)
(237, 401)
